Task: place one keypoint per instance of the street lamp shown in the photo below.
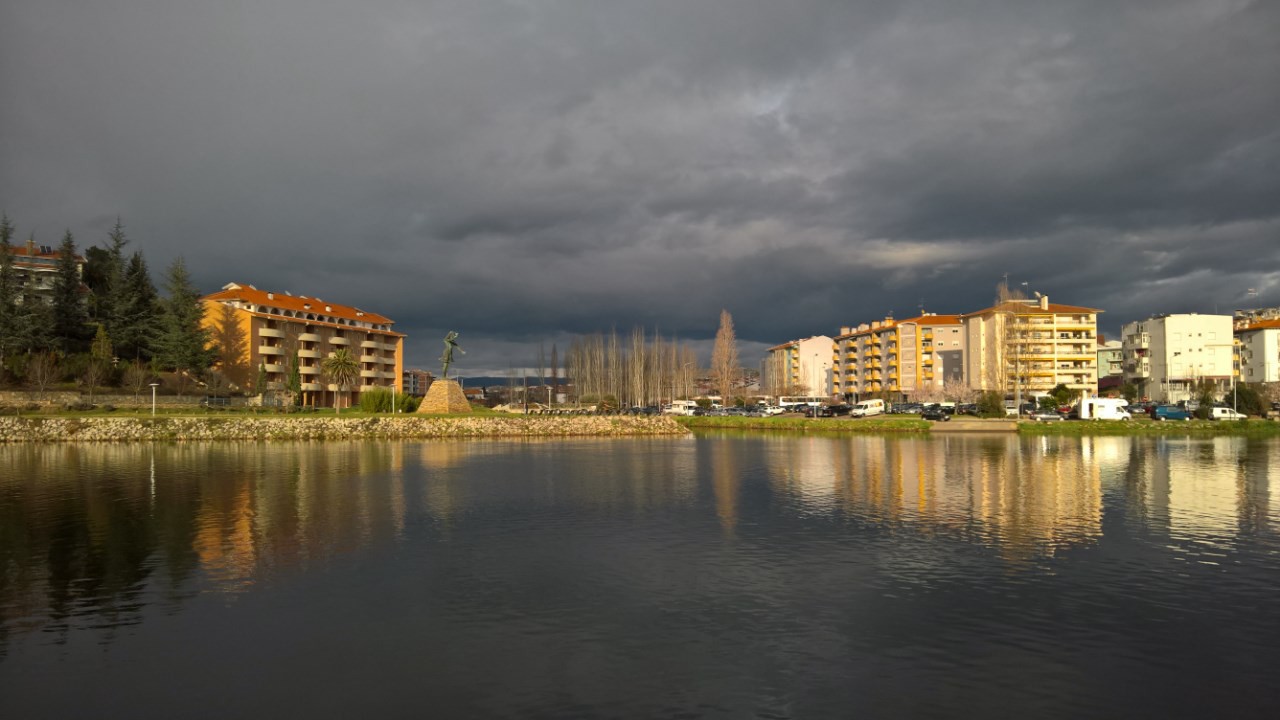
(154, 385)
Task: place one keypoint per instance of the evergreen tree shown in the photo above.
(70, 317)
(115, 301)
(136, 309)
(293, 383)
(10, 335)
(183, 339)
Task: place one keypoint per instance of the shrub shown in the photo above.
(991, 404)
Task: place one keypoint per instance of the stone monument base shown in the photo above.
(444, 396)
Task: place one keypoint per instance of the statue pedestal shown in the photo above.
(444, 396)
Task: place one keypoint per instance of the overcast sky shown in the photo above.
(523, 171)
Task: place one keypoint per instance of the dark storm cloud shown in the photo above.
(523, 171)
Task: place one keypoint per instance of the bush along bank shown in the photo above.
(109, 429)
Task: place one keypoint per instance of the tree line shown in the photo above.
(103, 325)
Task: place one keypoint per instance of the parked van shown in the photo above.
(1224, 413)
(1094, 408)
(1169, 412)
(867, 408)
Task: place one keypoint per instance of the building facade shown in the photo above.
(799, 367)
(907, 359)
(1259, 351)
(1166, 355)
(272, 330)
(416, 382)
(36, 271)
(1024, 348)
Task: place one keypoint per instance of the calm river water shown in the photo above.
(716, 576)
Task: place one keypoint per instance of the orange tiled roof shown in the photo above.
(1021, 309)
(20, 251)
(933, 320)
(297, 303)
(1261, 325)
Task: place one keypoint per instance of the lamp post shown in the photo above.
(153, 398)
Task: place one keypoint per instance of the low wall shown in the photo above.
(106, 429)
(61, 399)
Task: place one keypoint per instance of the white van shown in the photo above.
(867, 408)
(1224, 413)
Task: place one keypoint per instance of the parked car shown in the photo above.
(1047, 416)
(967, 409)
(1224, 413)
(1168, 412)
(935, 412)
(840, 409)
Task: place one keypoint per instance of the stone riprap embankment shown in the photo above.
(102, 429)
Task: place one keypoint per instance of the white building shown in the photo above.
(1027, 347)
(799, 367)
(1166, 355)
(1259, 351)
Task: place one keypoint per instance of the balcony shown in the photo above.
(273, 368)
(389, 375)
(368, 358)
(270, 350)
(368, 373)
(370, 345)
(389, 361)
(309, 337)
(312, 387)
(313, 354)
(270, 333)
(339, 341)
(304, 370)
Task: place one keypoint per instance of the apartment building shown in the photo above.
(899, 359)
(799, 367)
(416, 382)
(1027, 347)
(36, 270)
(1258, 344)
(271, 328)
(1166, 355)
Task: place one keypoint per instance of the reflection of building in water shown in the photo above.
(1000, 491)
(1202, 489)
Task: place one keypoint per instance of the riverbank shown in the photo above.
(118, 429)
(911, 424)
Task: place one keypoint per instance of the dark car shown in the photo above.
(819, 411)
(840, 409)
(1169, 412)
(935, 412)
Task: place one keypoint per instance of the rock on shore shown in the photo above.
(102, 429)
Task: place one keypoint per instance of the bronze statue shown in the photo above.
(450, 342)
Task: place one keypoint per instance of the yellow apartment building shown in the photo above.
(898, 359)
(255, 328)
(1028, 347)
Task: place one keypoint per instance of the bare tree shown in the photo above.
(95, 372)
(42, 371)
(724, 357)
(136, 377)
(958, 391)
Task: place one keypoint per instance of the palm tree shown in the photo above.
(341, 369)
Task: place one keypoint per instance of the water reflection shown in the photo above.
(92, 535)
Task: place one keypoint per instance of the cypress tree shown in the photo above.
(70, 317)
